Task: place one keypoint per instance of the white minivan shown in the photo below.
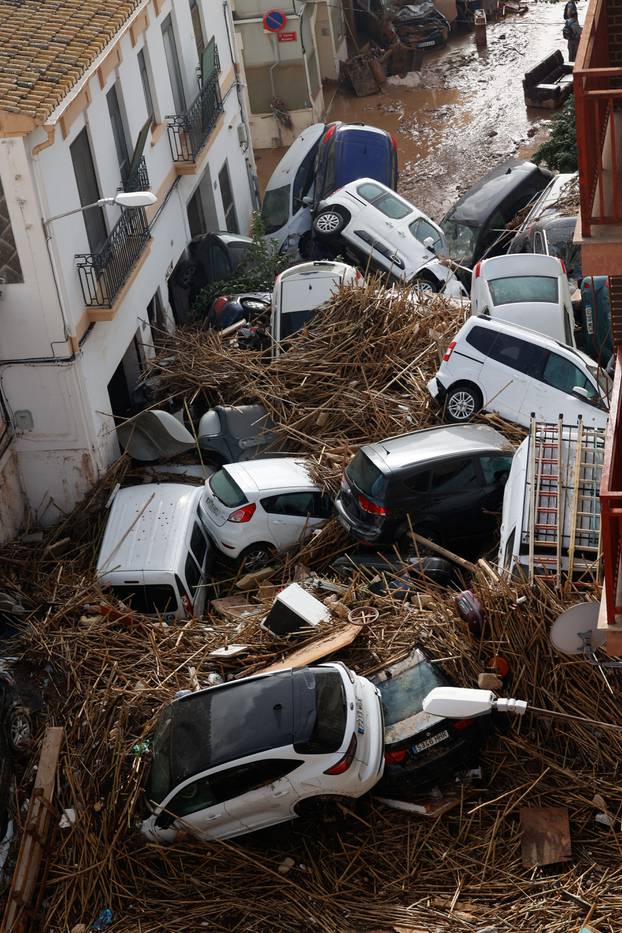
(155, 554)
(515, 372)
(301, 290)
(527, 289)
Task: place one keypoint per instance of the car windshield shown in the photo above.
(366, 476)
(560, 244)
(518, 288)
(402, 695)
(159, 783)
(602, 379)
(275, 208)
(226, 490)
(461, 241)
(292, 321)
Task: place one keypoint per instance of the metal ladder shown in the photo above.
(546, 512)
(585, 516)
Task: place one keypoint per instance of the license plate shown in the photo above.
(360, 718)
(425, 45)
(433, 740)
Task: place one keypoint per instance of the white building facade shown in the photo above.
(288, 50)
(84, 297)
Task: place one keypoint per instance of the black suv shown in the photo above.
(446, 483)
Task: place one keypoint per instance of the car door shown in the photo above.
(375, 223)
(292, 516)
(507, 375)
(554, 393)
(258, 793)
(455, 498)
(201, 555)
(195, 807)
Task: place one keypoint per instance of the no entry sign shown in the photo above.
(274, 21)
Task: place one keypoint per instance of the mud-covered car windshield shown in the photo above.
(460, 241)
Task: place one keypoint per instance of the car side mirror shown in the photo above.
(429, 244)
(307, 200)
(165, 820)
(579, 390)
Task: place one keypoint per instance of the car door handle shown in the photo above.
(281, 793)
(212, 816)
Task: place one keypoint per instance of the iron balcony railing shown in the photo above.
(188, 132)
(139, 179)
(104, 273)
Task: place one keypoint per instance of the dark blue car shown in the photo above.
(348, 151)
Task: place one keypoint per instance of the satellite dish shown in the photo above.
(576, 628)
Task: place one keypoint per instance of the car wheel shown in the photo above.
(426, 285)
(462, 402)
(329, 222)
(321, 807)
(256, 557)
(19, 729)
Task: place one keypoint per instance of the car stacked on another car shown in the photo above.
(443, 483)
(323, 158)
(255, 509)
(382, 228)
(251, 753)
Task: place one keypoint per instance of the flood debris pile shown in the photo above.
(360, 866)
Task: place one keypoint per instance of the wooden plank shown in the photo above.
(236, 608)
(321, 648)
(34, 835)
(546, 836)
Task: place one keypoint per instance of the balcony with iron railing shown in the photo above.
(189, 131)
(139, 178)
(598, 103)
(104, 273)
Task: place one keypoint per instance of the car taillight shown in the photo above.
(219, 305)
(449, 351)
(344, 763)
(393, 141)
(563, 265)
(187, 604)
(460, 724)
(477, 270)
(244, 514)
(371, 507)
(330, 132)
(395, 758)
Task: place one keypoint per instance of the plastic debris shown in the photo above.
(104, 920)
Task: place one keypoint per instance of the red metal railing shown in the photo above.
(598, 99)
(611, 498)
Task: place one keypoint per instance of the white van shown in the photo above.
(285, 215)
(526, 289)
(301, 290)
(155, 553)
(515, 372)
(551, 508)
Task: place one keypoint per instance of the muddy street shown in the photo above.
(463, 112)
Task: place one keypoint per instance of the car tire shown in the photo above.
(330, 222)
(256, 557)
(19, 730)
(462, 402)
(426, 284)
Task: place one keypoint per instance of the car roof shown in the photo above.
(315, 266)
(145, 528)
(480, 201)
(436, 443)
(229, 722)
(520, 264)
(289, 164)
(259, 476)
(525, 333)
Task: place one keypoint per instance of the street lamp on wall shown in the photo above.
(123, 199)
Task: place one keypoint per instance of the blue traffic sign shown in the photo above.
(274, 21)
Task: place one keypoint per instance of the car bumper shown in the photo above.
(436, 389)
(358, 531)
(370, 745)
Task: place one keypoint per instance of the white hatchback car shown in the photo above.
(384, 228)
(515, 372)
(253, 509)
(526, 289)
(235, 758)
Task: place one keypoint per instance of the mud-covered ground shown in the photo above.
(466, 111)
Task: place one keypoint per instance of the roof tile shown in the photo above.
(47, 45)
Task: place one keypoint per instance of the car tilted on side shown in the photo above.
(245, 755)
(384, 229)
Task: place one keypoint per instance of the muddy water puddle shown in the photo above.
(465, 111)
